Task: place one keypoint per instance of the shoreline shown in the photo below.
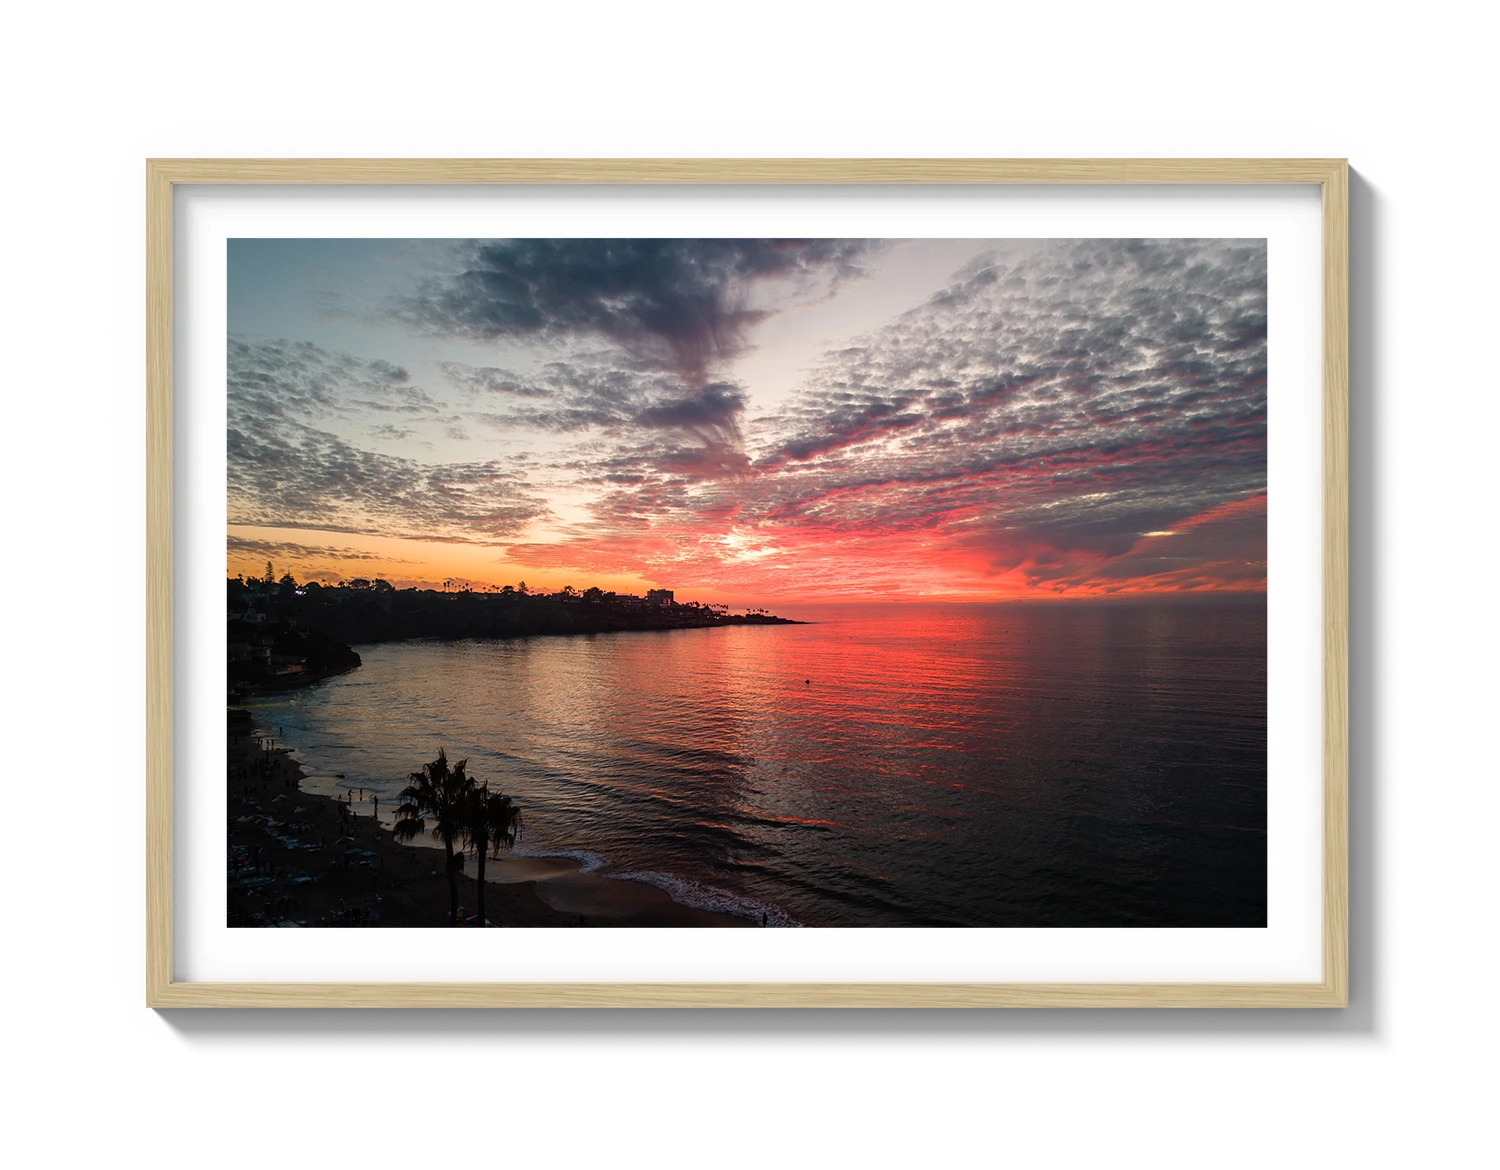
(300, 859)
(283, 683)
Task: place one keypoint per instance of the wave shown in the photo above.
(701, 897)
(683, 891)
(587, 862)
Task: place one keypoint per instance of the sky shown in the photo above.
(752, 420)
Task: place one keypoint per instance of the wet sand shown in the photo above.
(298, 858)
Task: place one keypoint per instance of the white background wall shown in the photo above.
(1404, 1075)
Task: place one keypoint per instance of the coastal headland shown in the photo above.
(298, 858)
(374, 611)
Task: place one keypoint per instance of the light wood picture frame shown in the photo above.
(164, 176)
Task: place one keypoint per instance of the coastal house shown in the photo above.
(286, 664)
(250, 658)
(659, 597)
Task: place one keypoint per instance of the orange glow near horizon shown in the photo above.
(1221, 549)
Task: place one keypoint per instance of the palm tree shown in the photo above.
(492, 821)
(441, 793)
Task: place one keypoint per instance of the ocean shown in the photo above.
(934, 764)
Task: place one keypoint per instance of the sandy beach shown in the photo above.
(301, 859)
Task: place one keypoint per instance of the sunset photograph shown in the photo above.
(746, 583)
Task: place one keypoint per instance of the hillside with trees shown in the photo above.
(280, 619)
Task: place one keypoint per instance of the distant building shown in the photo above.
(661, 597)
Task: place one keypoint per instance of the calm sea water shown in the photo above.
(890, 765)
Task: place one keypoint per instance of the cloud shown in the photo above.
(1022, 430)
(285, 550)
(1019, 431)
(480, 381)
(586, 391)
(1082, 391)
(391, 432)
(1221, 548)
(712, 412)
(289, 475)
(712, 418)
(283, 471)
(679, 305)
(297, 379)
(650, 416)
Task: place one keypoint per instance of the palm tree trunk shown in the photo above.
(452, 883)
(480, 892)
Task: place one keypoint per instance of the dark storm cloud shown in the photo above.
(714, 411)
(656, 418)
(679, 305)
(284, 471)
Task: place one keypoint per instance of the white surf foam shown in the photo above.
(683, 891)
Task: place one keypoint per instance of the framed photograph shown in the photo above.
(712, 583)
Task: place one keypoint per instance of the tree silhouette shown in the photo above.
(442, 794)
(492, 821)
